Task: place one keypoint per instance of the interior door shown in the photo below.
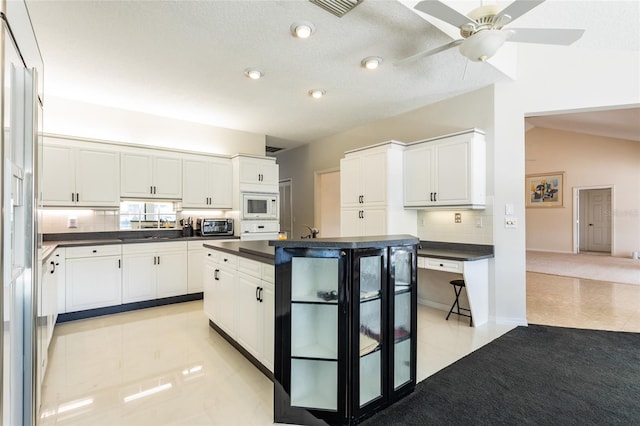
(599, 220)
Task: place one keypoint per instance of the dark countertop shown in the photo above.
(348, 242)
(255, 250)
(455, 251)
(53, 241)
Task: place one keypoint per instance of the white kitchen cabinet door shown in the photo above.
(58, 176)
(195, 184)
(97, 178)
(452, 173)
(350, 187)
(136, 177)
(256, 174)
(210, 289)
(447, 172)
(266, 325)
(195, 269)
(167, 176)
(351, 222)
(374, 221)
(93, 283)
(138, 277)
(373, 178)
(418, 176)
(147, 176)
(224, 298)
(171, 274)
(248, 313)
(221, 184)
(207, 184)
(80, 177)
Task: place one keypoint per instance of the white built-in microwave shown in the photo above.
(260, 206)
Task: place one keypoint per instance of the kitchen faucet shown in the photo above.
(313, 232)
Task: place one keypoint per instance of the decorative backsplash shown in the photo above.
(475, 227)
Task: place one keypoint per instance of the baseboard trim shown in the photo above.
(253, 360)
(436, 305)
(126, 307)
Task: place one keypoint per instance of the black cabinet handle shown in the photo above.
(257, 293)
(435, 196)
(151, 190)
(119, 263)
(154, 260)
(73, 196)
(77, 197)
(260, 295)
(158, 260)
(431, 196)
(54, 267)
(216, 275)
(95, 251)
(208, 254)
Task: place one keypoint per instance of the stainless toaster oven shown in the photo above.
(209, 227)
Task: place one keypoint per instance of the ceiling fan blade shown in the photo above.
(443, 12)
(429, 52)
(562, 36)
(519, 8)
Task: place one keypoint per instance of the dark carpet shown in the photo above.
(536, 375)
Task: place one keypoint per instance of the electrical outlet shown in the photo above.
(457, 217)
(510, 222)
(479, 222)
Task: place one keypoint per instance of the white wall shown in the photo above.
(78, 119)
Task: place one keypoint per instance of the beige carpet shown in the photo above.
(588, 266)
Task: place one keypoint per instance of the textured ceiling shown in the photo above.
(185, 59)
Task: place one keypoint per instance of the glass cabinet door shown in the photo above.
(370, 272)
(314, 332)
(403, 270)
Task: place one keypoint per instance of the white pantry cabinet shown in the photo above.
(370, 199)
(93, 277)
(207, 183)
(446, 172)
(145, 175)
(75, 176)
(255, 174)
(153, 271)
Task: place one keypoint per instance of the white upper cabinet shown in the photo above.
(75, 176)
(255, 174)
(207, 183)
(446, 172)
(371, 203)
(145, 175)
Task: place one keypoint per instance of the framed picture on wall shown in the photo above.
(545, 190)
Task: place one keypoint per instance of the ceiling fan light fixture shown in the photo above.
(371, 62)
(484, 44)
(302, 29)
(253, 73)
(317, 93)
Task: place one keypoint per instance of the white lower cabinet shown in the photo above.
(92, 277)
(153, 271)
(195, 267)
(239, 297)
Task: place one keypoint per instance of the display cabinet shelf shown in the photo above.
(343, 359)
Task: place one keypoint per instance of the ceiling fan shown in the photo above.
(483, 31)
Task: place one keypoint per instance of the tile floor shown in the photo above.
(165, 366)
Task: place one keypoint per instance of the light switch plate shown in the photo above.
(508, 209)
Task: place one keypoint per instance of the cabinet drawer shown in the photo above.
(250, 267)
(443, 265)
(93, 251)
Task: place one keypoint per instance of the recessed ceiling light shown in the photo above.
(253, 73)
(317, 93)
(371, 62)
(302, 29)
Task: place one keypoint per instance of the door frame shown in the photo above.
(316, 192)
(290, 182)
(576, 215)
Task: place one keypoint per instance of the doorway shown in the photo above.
(327, 202)
(286, 214)
(594, 224)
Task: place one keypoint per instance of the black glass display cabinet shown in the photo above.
(345, 332)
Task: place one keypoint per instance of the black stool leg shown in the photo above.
(457, 290)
